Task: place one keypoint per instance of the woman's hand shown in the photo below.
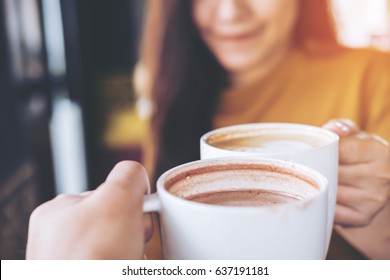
(107, 223)
(364, 174)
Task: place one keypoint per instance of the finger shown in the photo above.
(86, 193)
(126, 173)
(375, 173)
(342, 127)
(366, 202)
(124, 187)
(360, 148)
(380, 140)
(346, 216)
(65, 196)
(148, 225)
(352, 209)
(350, 196)
(353, 174)
(363, 189)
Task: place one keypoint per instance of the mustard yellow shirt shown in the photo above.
(314, 88)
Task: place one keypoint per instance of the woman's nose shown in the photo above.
(228, 10)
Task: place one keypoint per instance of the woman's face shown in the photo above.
(243, 34)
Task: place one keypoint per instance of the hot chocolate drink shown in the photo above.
(242, 185)
(243, 197)
(265, 141)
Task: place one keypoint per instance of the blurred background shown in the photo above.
(67, 101)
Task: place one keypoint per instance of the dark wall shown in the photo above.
(100, 42)
(101, 39)
(26, 177)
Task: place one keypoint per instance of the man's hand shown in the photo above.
(107, 223)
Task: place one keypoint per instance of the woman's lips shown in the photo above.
(239, 37)
(235, 38)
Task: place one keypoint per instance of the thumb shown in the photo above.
(126, 184)
(342, 127)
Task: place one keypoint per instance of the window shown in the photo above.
(363, 23)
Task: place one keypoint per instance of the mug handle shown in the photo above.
(151, 203)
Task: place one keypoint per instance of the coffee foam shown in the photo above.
(266, 140)
(240, 176)
(273, 146)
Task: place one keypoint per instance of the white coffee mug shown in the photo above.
(264, 228)
(312, 146)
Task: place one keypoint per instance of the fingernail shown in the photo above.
(380, 139)
(342, 126)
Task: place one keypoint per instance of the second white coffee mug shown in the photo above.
(312, 146)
